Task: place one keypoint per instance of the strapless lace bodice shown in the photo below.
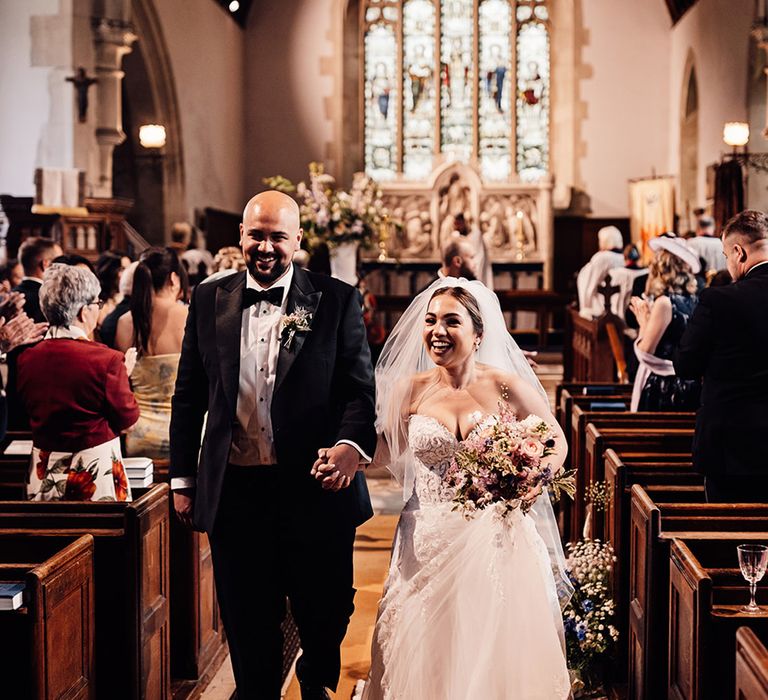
(432, 445)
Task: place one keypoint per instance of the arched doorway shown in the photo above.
(689, 149)
(155, 181)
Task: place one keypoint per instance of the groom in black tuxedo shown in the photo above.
(726, 342)
(278, 358)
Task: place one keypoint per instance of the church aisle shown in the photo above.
(372, 549)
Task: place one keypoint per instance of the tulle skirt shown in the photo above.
(469, 612)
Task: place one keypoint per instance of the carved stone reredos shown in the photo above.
(514, 218)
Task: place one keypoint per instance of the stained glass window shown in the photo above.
(464, 80)
(418, 88)
(496, 87)
(381, 94)
(532, 90)
(456, 79)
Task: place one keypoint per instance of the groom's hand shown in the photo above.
(183, 502)
(336, 466)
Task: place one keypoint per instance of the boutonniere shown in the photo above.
(297, 322)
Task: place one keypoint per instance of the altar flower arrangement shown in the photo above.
(332, 215)
(503, 462)
(589, 633)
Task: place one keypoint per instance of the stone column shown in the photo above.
(112, 39)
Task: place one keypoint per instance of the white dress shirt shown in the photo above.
(252, 436)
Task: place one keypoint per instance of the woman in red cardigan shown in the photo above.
(77, 396)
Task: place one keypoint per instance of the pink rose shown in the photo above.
(532, 448)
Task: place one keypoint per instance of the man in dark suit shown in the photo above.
(36, 256)
(726, 342)
(278, 358)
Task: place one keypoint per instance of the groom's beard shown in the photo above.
(266, 277)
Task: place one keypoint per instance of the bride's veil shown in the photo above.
(404, 355)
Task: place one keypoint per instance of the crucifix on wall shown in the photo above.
(82, 82)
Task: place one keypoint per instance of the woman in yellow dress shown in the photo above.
(155, 327)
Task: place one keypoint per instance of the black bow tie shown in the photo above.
(274, 295)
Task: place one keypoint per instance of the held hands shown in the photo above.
(335, 467)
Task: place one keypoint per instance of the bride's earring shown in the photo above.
(477, 344)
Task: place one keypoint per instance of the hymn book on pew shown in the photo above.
(19, 447)
(139, 471)
(11, 596)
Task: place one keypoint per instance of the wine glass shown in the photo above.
(753, 559)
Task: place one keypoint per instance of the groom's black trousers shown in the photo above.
(265, 551)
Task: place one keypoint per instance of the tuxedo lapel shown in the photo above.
(229, 316)
(302, 294)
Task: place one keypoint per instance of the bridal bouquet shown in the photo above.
(504, 461)
(332, 215)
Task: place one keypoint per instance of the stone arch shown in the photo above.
(162, 87)
(689, 144)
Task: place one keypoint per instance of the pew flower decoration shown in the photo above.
(503, 462)
(291, 324)
(589, 633)
(332, 215)
(598, 495)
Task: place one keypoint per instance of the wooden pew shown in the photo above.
(46, 651)
(197, 633)
(679, 483)
(596, 391)
(13, 478)
(706, 594)
(751, 666)
(587, 456)
(659, 441)
(654, 522)
(131, 583)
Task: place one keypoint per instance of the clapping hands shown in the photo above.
(16, 328)
(335, 467)
(642, 310)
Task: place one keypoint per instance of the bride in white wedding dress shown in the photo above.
(471, 608)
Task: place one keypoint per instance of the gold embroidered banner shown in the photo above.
(652, 210)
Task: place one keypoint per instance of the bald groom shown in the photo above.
(278, 358)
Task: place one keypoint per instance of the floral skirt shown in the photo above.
(94, 474)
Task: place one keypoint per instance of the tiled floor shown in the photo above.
(372, 548)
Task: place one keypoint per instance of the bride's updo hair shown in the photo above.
(468, 301)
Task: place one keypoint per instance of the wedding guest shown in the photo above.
(707, 245)
(77, 419)
(592, 275)
(35, 256)
(73, 259)
(10, 275)
(458, 260)
(109, 268)
(725, 343)
(155, 327)
(16, 329)
(108, 328)
(663, 316)
(227, 261)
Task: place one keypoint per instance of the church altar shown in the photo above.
(513, 220)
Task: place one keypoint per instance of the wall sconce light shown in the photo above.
(736, 133)
(152, 136)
